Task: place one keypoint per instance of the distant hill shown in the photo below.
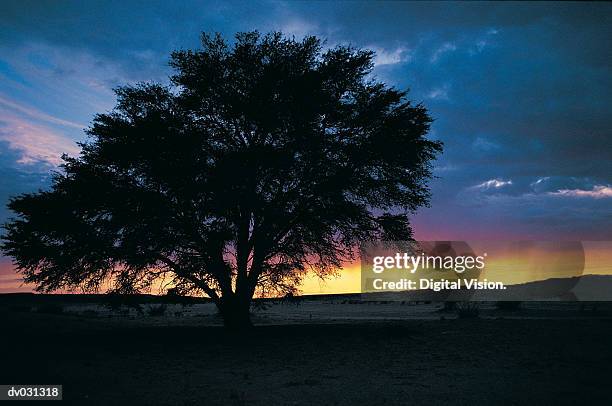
(585, 287)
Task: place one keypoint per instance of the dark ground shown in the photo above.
(492, 361)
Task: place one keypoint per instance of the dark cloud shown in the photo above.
(17, 179)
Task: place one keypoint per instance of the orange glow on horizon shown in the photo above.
(598, 261)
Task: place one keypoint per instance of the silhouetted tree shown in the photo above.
(265, 158)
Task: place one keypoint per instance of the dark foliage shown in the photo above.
(264, 159)
(121, 303)
(157, 310)
(467, 310)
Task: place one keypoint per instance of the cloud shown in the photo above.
(440, 51)
(483, 42)
(64, 87)
(598, 192)
(34, 142)
(19, 178)
(485, 145)
(439, 93)
(298, 27)
(38, 115)
(493, 184)
(540, 181)
(77, 79)
(545, 186)
(570, 186)
(390, 57)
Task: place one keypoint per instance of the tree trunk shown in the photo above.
(236, 313)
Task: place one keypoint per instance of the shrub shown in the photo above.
(467, 310)
(157, 311)
(121, 304)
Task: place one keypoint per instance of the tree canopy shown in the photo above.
(264, 158)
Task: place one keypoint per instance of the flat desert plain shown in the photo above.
(323, 351)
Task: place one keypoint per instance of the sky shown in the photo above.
(521, 95)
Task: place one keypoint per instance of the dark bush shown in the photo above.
(467, 310)
(157, 311)
(121, 304)
(449, 306)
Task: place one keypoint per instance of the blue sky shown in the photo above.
(521, 94)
